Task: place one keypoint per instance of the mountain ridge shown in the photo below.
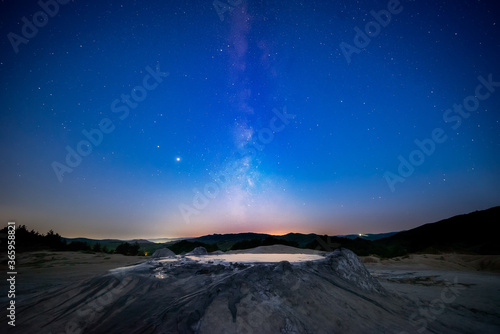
(459, 233)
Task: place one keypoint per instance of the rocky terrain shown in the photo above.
(334, 294)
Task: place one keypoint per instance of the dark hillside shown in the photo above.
(469, 233)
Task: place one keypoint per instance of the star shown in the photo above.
(178, 159)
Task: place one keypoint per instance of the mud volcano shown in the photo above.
(332, 294)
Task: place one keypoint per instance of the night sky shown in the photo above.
(148, 119)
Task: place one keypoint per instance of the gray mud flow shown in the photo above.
(333, 295)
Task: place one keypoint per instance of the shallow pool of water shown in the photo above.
(252, 258)
(223, 259)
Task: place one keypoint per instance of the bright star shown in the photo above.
(178, 159)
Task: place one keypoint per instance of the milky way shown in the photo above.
(128, 120)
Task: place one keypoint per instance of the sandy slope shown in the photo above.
(473, 303)
(66, 266)
(461, 262)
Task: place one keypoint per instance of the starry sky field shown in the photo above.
(149, 119)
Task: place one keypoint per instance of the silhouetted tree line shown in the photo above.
(246, 244)
(128, 249)
(28, 241)
(32, 240)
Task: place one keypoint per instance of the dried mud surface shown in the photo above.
(87, 293)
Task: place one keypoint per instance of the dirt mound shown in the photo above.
(449, 261)
(347, 266)
(198, 251)
(163, 252)
(489, 263)
(370, 259)
(183, 295)
(336, 294)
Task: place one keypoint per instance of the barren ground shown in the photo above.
(460, 292)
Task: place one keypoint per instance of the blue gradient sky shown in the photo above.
(254, 118)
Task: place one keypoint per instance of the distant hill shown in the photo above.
(111, 244)
(215, 238)
(165, 240)
(468, 233)
(226, 241)
(107, 241)
(369, 236)
(185, 246)
(301, 239)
